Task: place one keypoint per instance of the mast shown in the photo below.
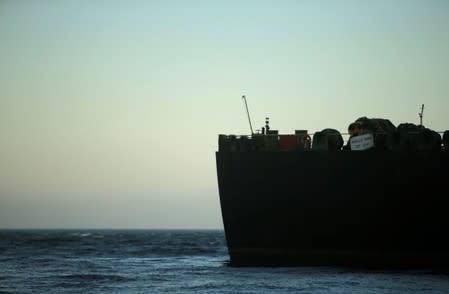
(421, 114)
(247, 112)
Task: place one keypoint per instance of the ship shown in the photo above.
(378, 200)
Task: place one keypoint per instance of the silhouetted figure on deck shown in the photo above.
(379, 127)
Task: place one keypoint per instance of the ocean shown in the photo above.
(173, 261)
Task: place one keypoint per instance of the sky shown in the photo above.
(110, 110)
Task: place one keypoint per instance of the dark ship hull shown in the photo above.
(371, 208)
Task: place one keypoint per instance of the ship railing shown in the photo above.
(346, 136)
(313, 133)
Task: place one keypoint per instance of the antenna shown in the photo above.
(247, 112)
(421, 114)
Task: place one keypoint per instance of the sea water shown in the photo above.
(173, 261)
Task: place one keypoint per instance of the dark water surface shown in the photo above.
(160, 261)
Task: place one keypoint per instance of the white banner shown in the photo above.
(362, 142)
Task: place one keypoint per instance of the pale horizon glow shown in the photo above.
(110, 110)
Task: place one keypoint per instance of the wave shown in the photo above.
(95, 277)
(113, 243)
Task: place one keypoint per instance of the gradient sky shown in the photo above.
(110, 110)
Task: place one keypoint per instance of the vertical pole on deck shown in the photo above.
(421, 114)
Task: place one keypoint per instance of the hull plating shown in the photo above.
(324, 208)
